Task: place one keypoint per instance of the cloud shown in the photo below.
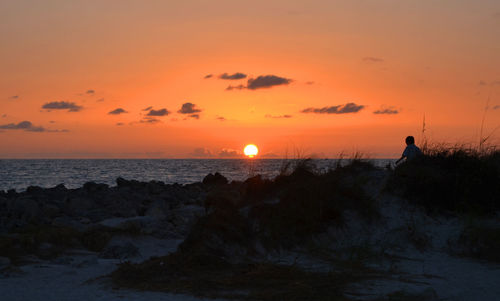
(149, 120)
(262, 81)
(148, 108)
(4, 115)
(310, 83)
(371, 59)
(13, 97)
(117, 111)
(208, 76)
(269, 155)
(100, 100)
(119, 123)
(161, 112)
(62, 105)
(201, 152)
(387, 111)
(496, 107)
(188, 108)
(239, 87)
(339, 109)
(278, 116)
(228, 153)
(234, 76)
(267, 81)
(27, 126)
(195, 116)
(90, 92)
(220, 118)
(492, 83)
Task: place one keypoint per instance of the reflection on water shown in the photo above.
(19, 174)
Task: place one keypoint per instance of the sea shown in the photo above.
(19, 174)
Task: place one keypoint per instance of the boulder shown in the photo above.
(24, 208)
(214, 179)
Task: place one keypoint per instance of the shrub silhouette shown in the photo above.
(451, 180)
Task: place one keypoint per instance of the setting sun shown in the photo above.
(251, 150)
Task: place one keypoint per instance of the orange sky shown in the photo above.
(438, 58)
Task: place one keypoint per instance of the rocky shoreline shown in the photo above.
(346, 234)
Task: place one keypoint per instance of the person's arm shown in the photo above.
(402, 156)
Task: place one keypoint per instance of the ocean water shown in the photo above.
(73, 173)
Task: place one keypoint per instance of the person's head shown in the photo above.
(410, 140)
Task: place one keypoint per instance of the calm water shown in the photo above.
(19, 174)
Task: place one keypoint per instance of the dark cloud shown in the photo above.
(267, 81)
(262, 81)
(496, 107)
(52, 121)
(201, 152)
(4, 115)
(160, 112)
(14, 97)
(62, 105)
(27, 126)
(310, 83)
(221, 118)
(90, 92)
(117, 111)
(234, 76)
(195, 116)
(148, 108)
(269, 155)
(208, 76)
(492, 83)
(100, 100)
(387, 111)
(339, 109)
(189, 108)
(119, 123)
(149, 120)
(239, 87)
(278, 116)
(228, 153)
(371, 59)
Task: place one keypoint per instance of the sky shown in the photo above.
(201, 79)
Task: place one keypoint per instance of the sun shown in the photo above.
(251, 150)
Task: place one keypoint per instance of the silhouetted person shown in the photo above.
(411, 151)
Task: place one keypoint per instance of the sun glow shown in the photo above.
(251, 150)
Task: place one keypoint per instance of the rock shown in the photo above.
(34, 190)
(93, 187)
(214, 179)
(24, 208)
(51, 211)
(155, 187)
(66, 221)
(157, 210)
(122, 251)
(78, 205)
